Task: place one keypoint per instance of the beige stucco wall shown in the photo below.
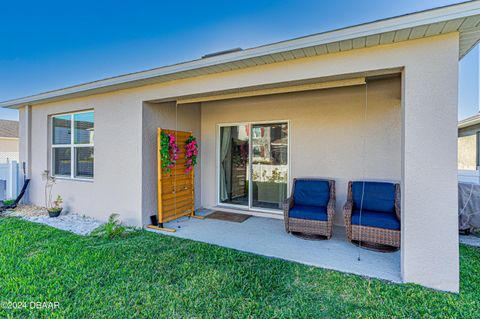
(467, 152)
(8, 144)
(24, 145)
(428, 143)
(327, 131)
(430, 251)
(116, 187)
(8, 149)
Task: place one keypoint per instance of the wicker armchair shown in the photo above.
(311, 207)
(379, 220)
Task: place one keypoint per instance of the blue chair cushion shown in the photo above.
(376, 219)
(378, 196)
(311, 193)
(308, 212)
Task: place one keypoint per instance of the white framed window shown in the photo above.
(72, 150)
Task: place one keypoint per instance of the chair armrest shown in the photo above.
(347, 212)
(348, 207)
(398, 212)
(287, 205)
(331, 209)
(347, 217)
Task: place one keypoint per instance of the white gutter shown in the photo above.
(473, 120)
(432, 16)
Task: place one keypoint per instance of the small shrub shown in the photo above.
(57, 203)
(113, 228)
(8, 202)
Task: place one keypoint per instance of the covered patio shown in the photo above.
(256, 140)
(267, 237)
(344, 127)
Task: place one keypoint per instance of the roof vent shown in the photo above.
(221, 52)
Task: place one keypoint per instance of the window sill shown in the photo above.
(63, 178)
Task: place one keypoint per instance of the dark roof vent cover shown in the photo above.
(221, 52)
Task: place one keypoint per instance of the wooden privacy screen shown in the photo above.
(175, 188)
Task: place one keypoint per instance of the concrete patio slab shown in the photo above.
(470, 240)
(267, 237)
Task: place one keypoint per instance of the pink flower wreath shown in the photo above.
(191, 150)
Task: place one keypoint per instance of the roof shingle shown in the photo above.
(8, 128)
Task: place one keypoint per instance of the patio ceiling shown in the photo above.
(463, 18)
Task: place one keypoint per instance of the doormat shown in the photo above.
(230, 217)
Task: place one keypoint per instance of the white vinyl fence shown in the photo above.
(10, 180)
(465, 176)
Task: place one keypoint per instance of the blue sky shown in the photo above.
(47, 45)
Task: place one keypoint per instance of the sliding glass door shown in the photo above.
(269, 165)
(234, 165)
(254, 165)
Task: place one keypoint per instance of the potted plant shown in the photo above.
(55, 207)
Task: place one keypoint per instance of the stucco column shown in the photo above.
(430, 252)
(24, 134)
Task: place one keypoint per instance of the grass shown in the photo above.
(148, 275)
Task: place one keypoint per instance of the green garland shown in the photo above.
(168, 151)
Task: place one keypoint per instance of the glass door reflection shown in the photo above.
(234, 165)
(269, 169)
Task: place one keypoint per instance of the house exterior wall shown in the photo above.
(8, 144)
(429, 141)
(467, 147)
(116, 187)
(8, 149)
(467, 152)
(327, 131)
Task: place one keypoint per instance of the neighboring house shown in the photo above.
(8, 141)
(373, 101)
(468, 142)
(468, 149)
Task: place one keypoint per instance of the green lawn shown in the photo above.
(152, 276)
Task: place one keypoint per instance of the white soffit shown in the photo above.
(463, 18)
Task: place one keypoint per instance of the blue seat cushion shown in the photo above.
(308, 212)
(311, 193)
(378, 196)
(376, 219)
